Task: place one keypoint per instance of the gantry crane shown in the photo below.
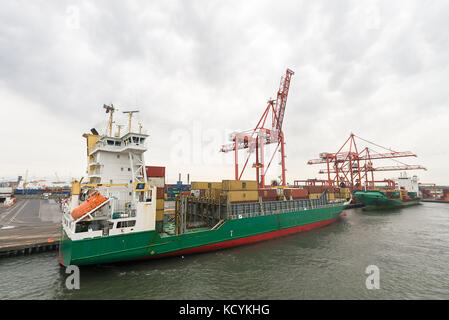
(350, 168)
(257, 138)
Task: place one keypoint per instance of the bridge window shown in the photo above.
(126, 224)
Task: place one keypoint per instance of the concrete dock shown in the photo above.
(437, 201)
(31, 225)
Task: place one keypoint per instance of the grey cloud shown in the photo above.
(378, 68)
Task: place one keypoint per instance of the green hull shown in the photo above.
(377, 200)
(151, 244)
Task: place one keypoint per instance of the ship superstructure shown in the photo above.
(116, 173)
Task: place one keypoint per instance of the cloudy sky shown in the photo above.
(199, 70)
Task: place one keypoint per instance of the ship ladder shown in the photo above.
(218, 225)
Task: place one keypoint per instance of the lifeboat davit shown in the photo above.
(95, 200)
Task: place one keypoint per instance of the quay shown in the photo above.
(437, 201)
(30, 226)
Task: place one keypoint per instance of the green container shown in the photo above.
(413, 195)
(159, 226)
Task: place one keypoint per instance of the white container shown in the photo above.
(156, 181)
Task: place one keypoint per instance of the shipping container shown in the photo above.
(159, 214)
(316, 189)
(216, 193)
(240, 185)
(267, 193)
(237, 196)
(215, 185)
(160, 204)
(196, 185)
(299, 193)
(159, 226)
(156, 181)
(314, 195)
(212, 193)
(155, 172)
(160, 193)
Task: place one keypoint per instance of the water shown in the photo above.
(410, 246)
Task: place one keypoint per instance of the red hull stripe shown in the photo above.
(61, 262)
(246, 240)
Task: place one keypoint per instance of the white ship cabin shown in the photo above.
(126, 202)
(111, 218)
(408, 183)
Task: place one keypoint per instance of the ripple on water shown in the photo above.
(409, 247)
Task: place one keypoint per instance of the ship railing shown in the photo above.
(246, 210)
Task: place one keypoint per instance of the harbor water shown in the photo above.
(409, 246)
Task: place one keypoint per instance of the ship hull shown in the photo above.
(379, 201)
(232, 233)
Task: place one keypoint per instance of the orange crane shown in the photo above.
(350, 168)
(257, 138)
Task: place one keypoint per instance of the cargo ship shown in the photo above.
(118, 213)
(405, 194)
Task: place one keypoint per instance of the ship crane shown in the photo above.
(351, 168)
(257, 138)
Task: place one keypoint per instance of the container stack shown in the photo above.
(241, 190)
(207, 189)
(234, 190)
(268, 194)
(156, 177)
(343, 193)
(296, 193)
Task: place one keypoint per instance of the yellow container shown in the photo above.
(160, 204)
(216, 193)
(346, 192)
(237, 196)
(314, 195)
(240, 185)
(215, 185)
(331, 196)
(195, 185)
(212, 193)
(160, 215)
(205, 185)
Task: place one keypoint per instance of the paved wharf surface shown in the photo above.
(437, 201)
(31, 225)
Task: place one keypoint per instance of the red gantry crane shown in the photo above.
(351, 168)
(257, 138)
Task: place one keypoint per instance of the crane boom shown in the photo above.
(343, 156)
(386, 168)
(281, 100)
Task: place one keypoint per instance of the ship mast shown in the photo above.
(110, 109)
(130, 118)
